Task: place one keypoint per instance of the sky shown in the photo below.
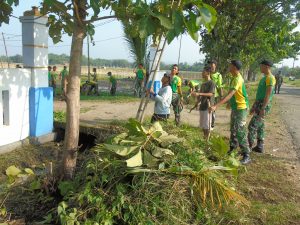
(109, 42)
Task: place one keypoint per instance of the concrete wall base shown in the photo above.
(31, 140)
(42, 139)
(12, 146)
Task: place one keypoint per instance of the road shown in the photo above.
(289, 101)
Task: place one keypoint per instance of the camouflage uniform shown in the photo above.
(256, 128)
(238, 130)
(239, 110)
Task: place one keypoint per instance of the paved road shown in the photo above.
(289, 100)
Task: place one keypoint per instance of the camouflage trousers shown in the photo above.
(177, 107)
(238, 129)
(138, 89)
(256, 127)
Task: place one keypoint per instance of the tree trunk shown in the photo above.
(73, 102)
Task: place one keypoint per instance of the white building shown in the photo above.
(26, 101)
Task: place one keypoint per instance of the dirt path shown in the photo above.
(96, 111)
(289, 100)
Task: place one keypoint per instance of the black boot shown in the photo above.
(259, 147)
(246, 159)
(177, 120)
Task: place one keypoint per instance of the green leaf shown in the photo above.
(118, 138)
(171, 34)
(65, 187)
(35, 185)
(12, 171)
(177, 19)
(29, 171)
(135, 160)
(95, 6)
(166, 140)
(164, 21)
(135, 128)
(149, 160)
(205, 15)
(121, 150)
(161, 152)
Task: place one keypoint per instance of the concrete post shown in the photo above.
(35, 58)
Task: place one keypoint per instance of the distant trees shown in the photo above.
(197, 66)
(251, 31)
(55, 59)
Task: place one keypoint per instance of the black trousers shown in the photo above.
(159, 117)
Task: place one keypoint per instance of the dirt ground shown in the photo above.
(97, 111)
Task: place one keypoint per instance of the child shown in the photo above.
(207, 93)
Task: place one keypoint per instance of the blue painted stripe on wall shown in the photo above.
(40, 111)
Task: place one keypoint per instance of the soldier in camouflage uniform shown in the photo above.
(238, 99)
(261, 107)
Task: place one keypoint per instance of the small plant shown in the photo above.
(59, 116)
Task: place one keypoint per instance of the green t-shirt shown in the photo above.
(141, 73)
(49, 75)
(194, 83)
(54, 76)
(240, 99)
(217, 79)
(266, 81)
(175, 83)
(64, 73)
(113, 80)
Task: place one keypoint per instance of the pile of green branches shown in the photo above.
(147, 176)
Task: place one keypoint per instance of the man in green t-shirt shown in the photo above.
(49, 76)
(239, 103)
(54, 75)
(139, 80)
(194, 85)
(63, 77)
(113, 82)
(217, 79)
(261, 107)
(176, 93)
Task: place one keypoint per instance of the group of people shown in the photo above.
(54, 76)
(211, 96)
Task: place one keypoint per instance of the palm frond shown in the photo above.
(206, 187)
(210, 190)
(137, 46)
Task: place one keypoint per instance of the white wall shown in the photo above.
(17, 82)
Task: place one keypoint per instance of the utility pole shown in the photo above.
(88, 53)
(5, 49)
(179, 50)
(294, 62)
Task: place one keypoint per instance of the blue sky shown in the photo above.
(109, 41)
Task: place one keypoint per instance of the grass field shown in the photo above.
(294, 83)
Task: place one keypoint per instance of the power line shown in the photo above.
(58, 46)
(108, 39)
(9, 40)
(106, 22)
